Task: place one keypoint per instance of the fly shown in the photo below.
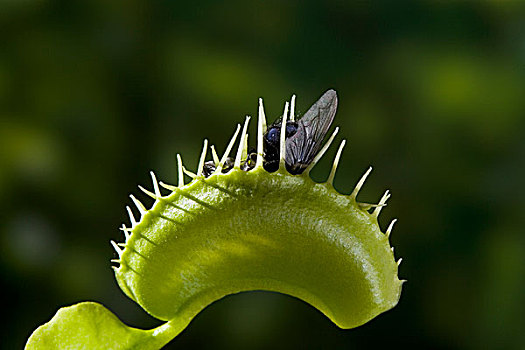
(303, 141)
(304, 137)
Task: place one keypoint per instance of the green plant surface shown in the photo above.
(259, 231)
(89, 325)
(240, 231)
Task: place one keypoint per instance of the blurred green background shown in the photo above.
(94, 94)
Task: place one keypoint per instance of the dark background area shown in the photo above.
(94, 94)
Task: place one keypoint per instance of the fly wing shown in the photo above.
(303, 146)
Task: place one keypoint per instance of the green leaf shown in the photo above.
(255, 230)
(90, 325)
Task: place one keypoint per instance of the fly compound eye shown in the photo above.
(291, 129)
(273, 135)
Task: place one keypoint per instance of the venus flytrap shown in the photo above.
(238, 227)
